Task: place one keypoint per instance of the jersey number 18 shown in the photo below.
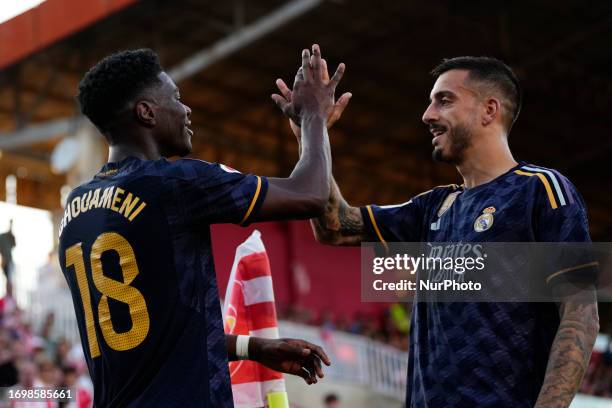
(110, 288)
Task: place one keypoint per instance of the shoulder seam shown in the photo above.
(558, 181)
(196, 160)
(553, 184)
(453, 186)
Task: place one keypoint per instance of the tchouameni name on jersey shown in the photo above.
(112, 198)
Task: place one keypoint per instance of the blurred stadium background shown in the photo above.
(225, 57)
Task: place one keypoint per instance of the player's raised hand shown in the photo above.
(340, 104)
(291, 356)
(336, 112)
(313, 90)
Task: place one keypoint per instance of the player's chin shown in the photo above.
(439, 155)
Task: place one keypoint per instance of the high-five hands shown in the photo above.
(313, 91)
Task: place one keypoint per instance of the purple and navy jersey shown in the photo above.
(485, 354)
(135, 248)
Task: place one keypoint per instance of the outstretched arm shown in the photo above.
(304, 193)
(571, 349)
(339, 224)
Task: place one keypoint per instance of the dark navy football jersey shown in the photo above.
(135, 248)
(484, 354)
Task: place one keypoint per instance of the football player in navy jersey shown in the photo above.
(484, 354)
(135, 242)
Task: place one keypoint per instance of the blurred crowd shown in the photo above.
(32, 358)
(598, 379)
(390, 326)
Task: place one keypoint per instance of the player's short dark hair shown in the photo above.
(493, 73)
(113, 82)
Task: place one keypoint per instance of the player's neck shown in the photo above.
(485, 162)
(144, 151)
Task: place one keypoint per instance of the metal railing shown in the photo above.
(58, 302)
(357, 359)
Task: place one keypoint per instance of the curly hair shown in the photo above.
(113, 82)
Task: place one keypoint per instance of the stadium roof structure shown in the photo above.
(225, 57)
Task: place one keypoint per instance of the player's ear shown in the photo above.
(145, 113)
(492, 109)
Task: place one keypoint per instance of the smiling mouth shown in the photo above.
(437, 131)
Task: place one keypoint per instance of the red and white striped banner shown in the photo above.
(249, 309)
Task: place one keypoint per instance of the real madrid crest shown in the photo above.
(485, 220)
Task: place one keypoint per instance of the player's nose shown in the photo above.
(429, 115)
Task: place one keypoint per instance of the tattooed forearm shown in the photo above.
(340, 224)
(571, 350)
(351, 222)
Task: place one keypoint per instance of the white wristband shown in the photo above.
(242, 347)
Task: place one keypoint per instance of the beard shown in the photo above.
(459, 139)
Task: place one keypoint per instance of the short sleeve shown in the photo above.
(561, 217)
(395, 223)
(213, 193)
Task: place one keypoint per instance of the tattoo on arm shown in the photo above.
(571, 350)
(351, 222)
(340, 224)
